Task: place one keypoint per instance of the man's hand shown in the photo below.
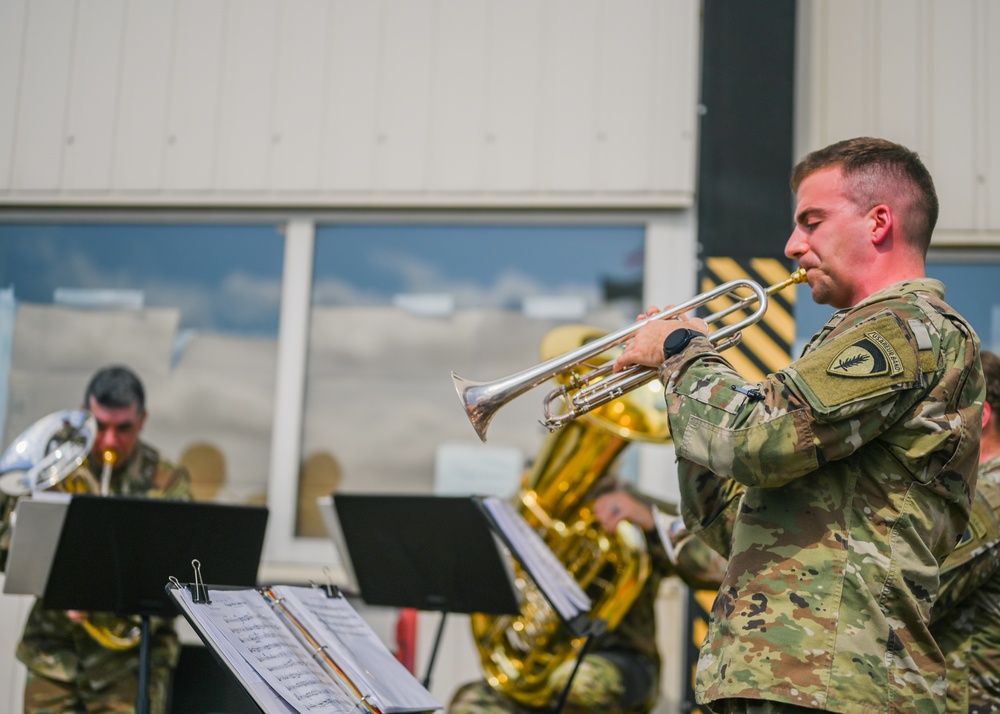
(646, 346)
(610, 508)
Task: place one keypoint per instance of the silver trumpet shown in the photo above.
(585, 392)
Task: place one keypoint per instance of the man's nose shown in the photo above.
(794, 246)
(109, 438)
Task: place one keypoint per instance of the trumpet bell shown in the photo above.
(47, 452)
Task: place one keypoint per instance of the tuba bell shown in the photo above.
(48, 456)
(519, 653)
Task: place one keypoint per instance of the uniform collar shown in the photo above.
(925, 285)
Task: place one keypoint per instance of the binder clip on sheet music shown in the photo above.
(301, 649)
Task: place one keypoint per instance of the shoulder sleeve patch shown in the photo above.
(869, 355)
(864, 360)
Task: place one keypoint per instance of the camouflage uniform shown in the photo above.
(844, 480)
(966, 615)
(625, 660)
(67, 669)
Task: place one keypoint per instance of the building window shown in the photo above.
(192, 308)
(397, 308)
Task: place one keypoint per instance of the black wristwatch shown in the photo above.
(677, 340)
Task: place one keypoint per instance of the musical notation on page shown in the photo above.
(302, 649)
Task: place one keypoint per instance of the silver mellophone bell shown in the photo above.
(47, 452)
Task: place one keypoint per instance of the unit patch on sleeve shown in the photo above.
(864, 360)
(870, 356)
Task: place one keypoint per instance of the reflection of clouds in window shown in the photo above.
(238, 303)
(194, 302)
(335, 291)
(223, 279)
(477, 267)
(507, 291)
(512, 286)
(243, 297)
(416, 274)
(73, 268)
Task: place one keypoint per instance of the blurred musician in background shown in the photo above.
(89, 661)
(621, 671)
(965, 620)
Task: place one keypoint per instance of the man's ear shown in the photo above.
(881, 218)
(987, 413)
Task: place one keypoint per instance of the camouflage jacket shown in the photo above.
(844, 480)
(966, 615)
(55, 647)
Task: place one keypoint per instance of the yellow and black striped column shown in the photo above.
(766, 346)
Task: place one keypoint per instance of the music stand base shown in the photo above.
(142, 702)
(434, 651)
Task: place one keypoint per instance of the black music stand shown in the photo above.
(434, 553)
(116, 554)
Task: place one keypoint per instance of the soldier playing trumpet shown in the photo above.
(844, 479)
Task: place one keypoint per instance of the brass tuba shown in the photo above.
(519, 653)
(48, 456)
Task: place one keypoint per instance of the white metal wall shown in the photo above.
(925, 73)
(333, 102)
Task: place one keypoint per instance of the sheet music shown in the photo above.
(363, 656)
(551, 576)
(267, 657)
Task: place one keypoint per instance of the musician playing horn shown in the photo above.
(857, 463)
(68, 670)
(621, 672)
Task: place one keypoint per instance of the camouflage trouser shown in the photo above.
(49, 696)
(598, 686)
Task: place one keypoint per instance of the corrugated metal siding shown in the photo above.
(333, 102)
(923, 73)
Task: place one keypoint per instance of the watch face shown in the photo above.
(676, 341)
(676, 338)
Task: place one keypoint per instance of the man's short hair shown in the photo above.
(880, 171)
(116, 387)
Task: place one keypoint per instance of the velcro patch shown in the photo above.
(870, 356)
